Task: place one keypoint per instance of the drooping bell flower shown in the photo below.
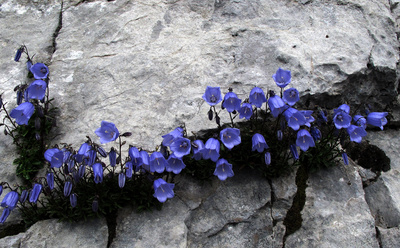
(282, 77)
(212, 95)
(24, 196)
(50, 180)
(112, 155)
(55, 156)
(304, 140)
(81, 171)
(19, 53)
(175, 164)
(231, 102)
(223, 170)
(146, 160)
(315, 133)
(293, 150)
(39, 71)
(98, 173)
(10, 200)
(180, 146)
(163, 190)
(157, 162)
(345, 158)
(230, 137)
(342, 108)
(294, 118)
(136, 159)
(257, 97)
(36, 90)
(276, 105)
(246, 111)
(360, 121)
(107, 132)
(342, 120)
(22, 113)
(198, 146)
(92, 156)
(258, 143)
(356, 133)
(121, 180)
(308, 116)
(291, 96)
(129, 169)
(267, 158)
(29, 65)
(168, 138)
(102, 152)
(377, 119)
(73, 199)
(211, 149)
(35, 192)
(67, 188)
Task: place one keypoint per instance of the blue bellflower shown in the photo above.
(112, 155)
(230, 137)
(267, 158)
(294, 118)
(55, 156)
(198, 146)
(24, 196)
(342, 120)
(212, 95)
(231, 102)
(293, 150)
(282, 77)
(129, 169)
(276, 105)
(121, 180)
(97, 173)
(36, 90)
(223, 170)
(308, 115)
(211, 149)
(67, 188)
(10, 200)
(35, 192)
(73, 199)
(50, 180)
(304, 140)
(83, 152)
(39, 71)
(135, 156)
(157, 162)
(360, 121)
(175, 164)
(315, 133)
(345, 158)
(257, 97)
(168, 138)
(146, 160)
(377, 119)
(22, 113)
(356, 133)
(163, 190)
(19, 53)
(291, 96)
(180, 146)
(258, 143)
(246, 111)
(342, 108)
(107, 132)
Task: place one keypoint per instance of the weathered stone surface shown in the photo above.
(284, 188)
(51, 233)
(335, 213)
(390, 238)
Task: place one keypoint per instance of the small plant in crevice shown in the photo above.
(29, 124)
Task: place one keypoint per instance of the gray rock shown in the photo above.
(284, 189)
(390, 238)
(335, 213)
(51, 233)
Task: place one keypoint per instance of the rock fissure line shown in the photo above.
(112, 227)
(378, 237)
(58, 29)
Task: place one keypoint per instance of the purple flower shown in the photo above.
(377, 119)
(121, 180)
(73, 199)
(39, 71)
(342, 120)
(211, 149)
(342, 108)
(22, 113)
(282, 77)
(129, 169)
(55, 156)
(230, 137)
(50, 180)
(315, 133)
(24, 195)
(35, 192)
(356, 133)
(29, 65)
(36, 90)
(231, 102)
(4, 215)
(1, 189)
(81, 171)
(83, 152)
(308, 115)
(67, 188)
(304, 140)
(321, 118)
(107, 132)
(92, 157)
(360, 121)
(257, 97)
(168, 138)
(102, 152)
(19, 53)
(291, 96)
(246, 111)
(223, 170)
(345, 158)
(112, 155)
(135, 157)
(198, 146)
(276, 105)
(293, 150)
(175, 164)
(157, 162)
(145, 158)
(180, 146)
(10, 200)
(294, 118)
(212, 95)
(267, 158)
(97, 173)
(258, 143)
(163, 190)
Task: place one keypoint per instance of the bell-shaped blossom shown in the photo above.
(35, 192)
(24, 196)
(39, 71)
(55, 156)
(73, 199)
(129, 169)
(267, 158)
(36, 90)
(19, 53)
(22, 113)
(294, 118)
(67, 188)
(377, 119)
(29, 65)
(304, 140)
(315, 133)
(212, 95)
(157, 162)
(50, 180)
(112, 155)
(258, 143)
(198, 146)
(282, 77)
(356, 133)
(4, 215)
(135, 156)
(257, 97)
(168, 138)
(230, 137)
(121, 180)
(223, 169)
(293, 150)
(345, 158)
(321, 118)
(10, 200)
(102, 152)
(246, 111)
(146, 160)
(276, 105)
(83, 152)
(360, 121)
(20, 97)
(92, 157)
(163, 190)
(231, 102)
(180, 146)
(107, 132)
(342, 108)
(291, 96)
(175, 164)
(342, 120)
(211, 149)
(81, 171)
(1, 189)
(97, 173)
(308, 115)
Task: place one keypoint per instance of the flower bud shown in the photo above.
(73, 200)
(19, 97)
(126, 134)
(23, 196)
(102, 152)
(121, 180)
(210, 114)
(95, 205)
(67, 188)
(18, 54)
